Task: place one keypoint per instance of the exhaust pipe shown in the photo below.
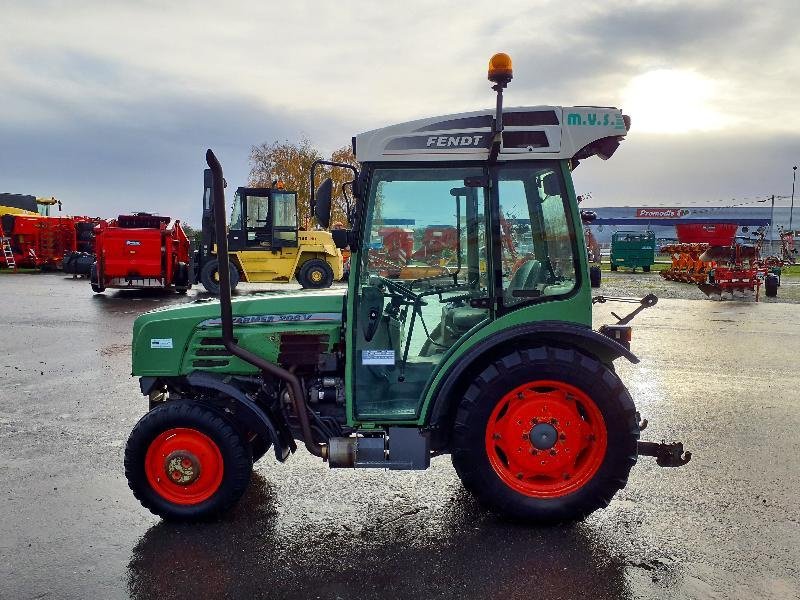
(226, 313)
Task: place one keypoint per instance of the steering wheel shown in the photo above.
(400, 290)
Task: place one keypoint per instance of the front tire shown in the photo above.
(545, 435)
(315, 274)
(209, 276)
(185, 462)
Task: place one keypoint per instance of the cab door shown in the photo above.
(284, 219)
(421, 284)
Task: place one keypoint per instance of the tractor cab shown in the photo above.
(263, 219)
(493, 241)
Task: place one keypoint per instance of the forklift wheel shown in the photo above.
(315, 274)
(209, 276)
(185, 462)
(545, 435)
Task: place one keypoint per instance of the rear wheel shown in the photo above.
(97, 287)
(181, 278)
(613, 267)
(545, 435)
(771, 285)
(646, 268)
(315, 274)
(595, 276)
(185, 462)
(209, 276)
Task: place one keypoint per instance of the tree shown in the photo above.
(341, 177)
(291, 163)
(287, 162)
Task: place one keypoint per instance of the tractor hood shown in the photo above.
(178, 340)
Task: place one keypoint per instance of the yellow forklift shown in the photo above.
(265, 243)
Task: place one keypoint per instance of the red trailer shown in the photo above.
(141, 251)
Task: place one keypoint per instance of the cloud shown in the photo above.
(110, 105)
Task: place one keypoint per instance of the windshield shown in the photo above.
(426, 224)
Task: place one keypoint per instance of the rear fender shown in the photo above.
(248, 414)
(551, 333)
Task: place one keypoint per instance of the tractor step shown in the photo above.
(667, 455)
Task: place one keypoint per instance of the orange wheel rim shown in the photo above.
(546, 439)
(184, 466)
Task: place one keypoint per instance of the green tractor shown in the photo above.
(486, 354)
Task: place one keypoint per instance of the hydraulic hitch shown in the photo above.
(667, 455)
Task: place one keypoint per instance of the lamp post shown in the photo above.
(791, 210)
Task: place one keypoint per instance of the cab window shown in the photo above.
(539, 246)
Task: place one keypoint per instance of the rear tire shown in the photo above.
(771, 285)
(587, 420)
(613, 267)
(595, 276)
(97, 287)
(209, 276)
(646, 268)
(181, 278)
(315, 274)
(185, 462)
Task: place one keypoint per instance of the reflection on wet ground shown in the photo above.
(248, 556)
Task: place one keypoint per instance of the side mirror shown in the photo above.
(322, 203)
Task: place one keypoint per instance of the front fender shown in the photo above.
(248, 413)
(555, 333)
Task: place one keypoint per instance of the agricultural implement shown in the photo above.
(693, 240)
(141, 251)
(265, 242)
(31, 238)
(501, 370)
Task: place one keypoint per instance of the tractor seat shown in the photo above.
(524, 278)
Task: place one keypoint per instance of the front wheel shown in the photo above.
(185, 462)
(315, 274)
(545, 435)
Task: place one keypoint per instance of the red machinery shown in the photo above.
(439, 242)
(141, 251)
(398, 243)
(693, 240)
(38, 241)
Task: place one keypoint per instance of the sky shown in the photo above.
(110, 105)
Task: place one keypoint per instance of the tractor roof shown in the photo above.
(530, 132)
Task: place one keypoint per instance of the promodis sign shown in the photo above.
(661, 213)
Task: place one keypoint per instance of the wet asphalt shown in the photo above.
(720, 376)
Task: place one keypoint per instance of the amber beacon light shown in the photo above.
(500, 69)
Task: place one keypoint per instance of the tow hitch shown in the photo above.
(667, 455)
